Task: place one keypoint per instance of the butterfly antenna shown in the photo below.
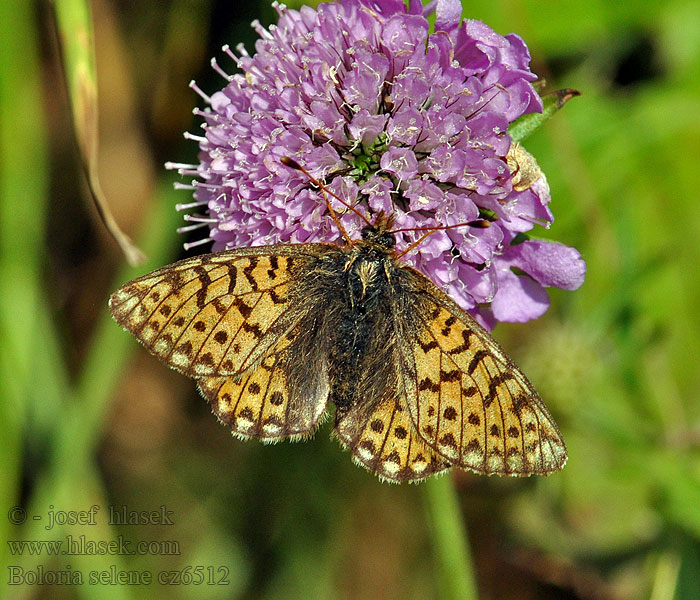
(480, 224)
(292, 164)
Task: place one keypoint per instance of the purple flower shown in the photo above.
(392, 118)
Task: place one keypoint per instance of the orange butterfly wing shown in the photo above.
(466, 398)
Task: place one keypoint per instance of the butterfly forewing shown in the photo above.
(469, 402)
(211, 315)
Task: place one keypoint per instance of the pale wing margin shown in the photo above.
(467, 399)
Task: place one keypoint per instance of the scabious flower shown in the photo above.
(391, 118)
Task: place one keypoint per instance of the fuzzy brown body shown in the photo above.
(273, 333)
(353, 297)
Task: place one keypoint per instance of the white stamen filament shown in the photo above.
(191, 136)
(188, 228)
(219, 70)
(191, 205)
(190, 245)
(196, 88)
(200, 219)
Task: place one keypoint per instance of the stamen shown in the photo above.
(196, 88)
(190, 245)
(279, 7)
(206, 186)
(219, 70)
(197, 138)
(182, 168)
(188, 228)
(260, 30)
(180, 207)
(227, 50)
(485, 104)
(200, 219)
(206, 114)
(174, 165)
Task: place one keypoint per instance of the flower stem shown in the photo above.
(456, 579)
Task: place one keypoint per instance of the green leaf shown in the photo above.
(527, 124)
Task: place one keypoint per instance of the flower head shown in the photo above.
(391, 118)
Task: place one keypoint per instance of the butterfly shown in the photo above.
(273, 334)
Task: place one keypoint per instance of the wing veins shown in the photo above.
(264, 396)
(160, 303)
(439, 400)
(172, 293)
(483, 401)
(247, 376)
(378, 458)
(502, 360)
(501, 365)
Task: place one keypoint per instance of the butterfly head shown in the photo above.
(379, 233)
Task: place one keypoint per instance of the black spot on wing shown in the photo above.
(428, 384)
(493, 387)
(427, 347)
(232, 276)
(464, 346)
(447, 376)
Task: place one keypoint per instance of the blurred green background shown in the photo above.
(87, 418)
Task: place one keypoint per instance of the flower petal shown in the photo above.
(549, 263)
(448, 14)
(518, 299)
(401, 162)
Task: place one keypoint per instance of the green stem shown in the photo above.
(666, 576)
(450, 545)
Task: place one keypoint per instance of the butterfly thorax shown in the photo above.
(361, 309)
(370, 264)
(369, 270)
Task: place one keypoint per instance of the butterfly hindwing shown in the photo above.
(271, 401)
(383, 441)
(468, 401)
